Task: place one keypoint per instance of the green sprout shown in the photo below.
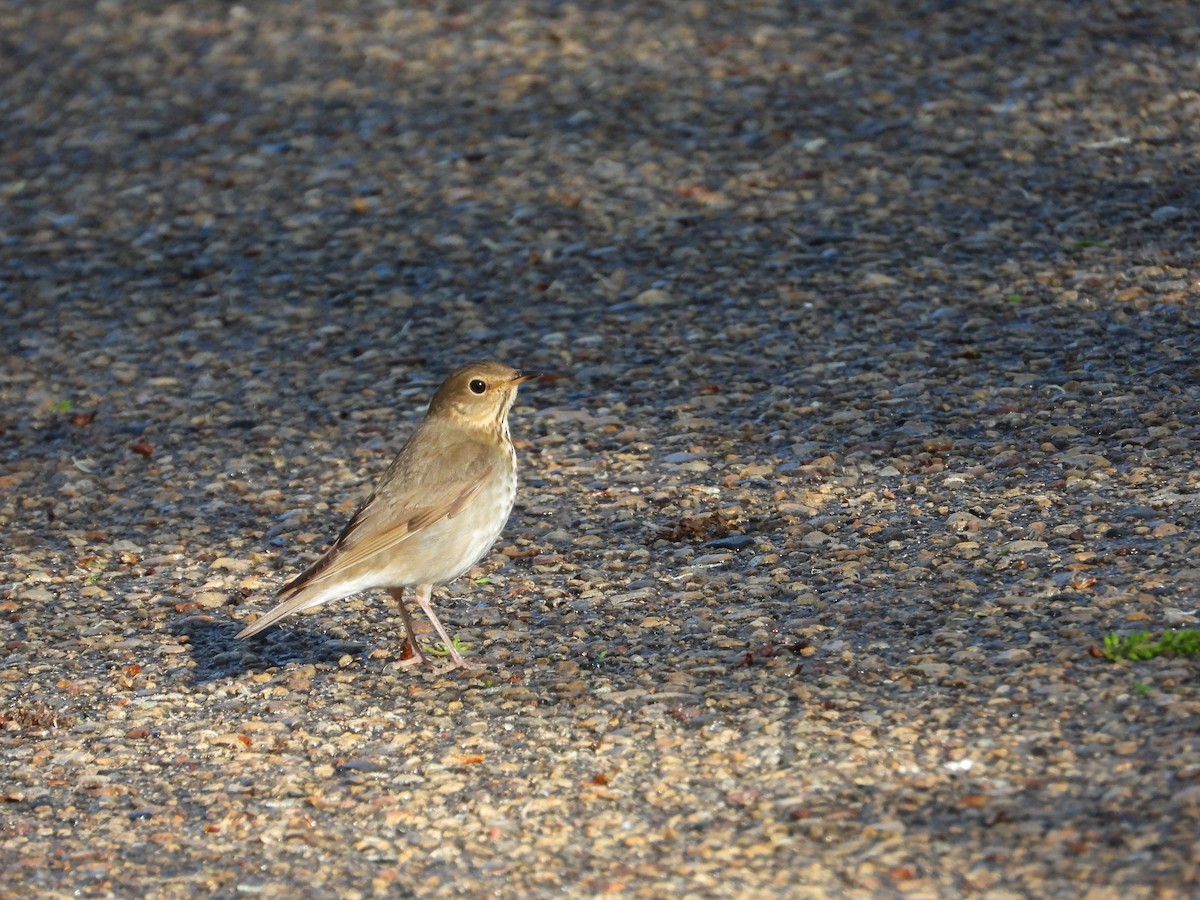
(62, 406)
(1140, 645)
(439, 649)
(1013, 298)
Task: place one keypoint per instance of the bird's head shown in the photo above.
(480, 394)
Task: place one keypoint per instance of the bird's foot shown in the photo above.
(448, 661)
(410, 655)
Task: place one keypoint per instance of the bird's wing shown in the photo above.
(430, 479)
(380, 528)
(377, 527)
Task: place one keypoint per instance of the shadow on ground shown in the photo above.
(218, 654)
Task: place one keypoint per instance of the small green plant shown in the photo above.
(440, 649)
(1141, 688)
(1140, 645)
(1013, 298)
(62, 406)
(483, 579)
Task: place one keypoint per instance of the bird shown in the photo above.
(436, 511)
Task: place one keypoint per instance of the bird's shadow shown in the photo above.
(217, 653)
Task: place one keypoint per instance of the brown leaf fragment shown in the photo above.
(696, 528)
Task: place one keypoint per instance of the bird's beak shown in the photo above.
(521, 378)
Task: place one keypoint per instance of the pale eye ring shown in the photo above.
(477, 386)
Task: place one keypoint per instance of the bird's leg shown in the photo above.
(410, 637)
(423, 594)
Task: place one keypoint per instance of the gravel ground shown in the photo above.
(877, 328)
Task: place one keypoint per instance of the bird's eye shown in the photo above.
(477, 386)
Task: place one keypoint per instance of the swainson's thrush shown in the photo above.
(437, 510)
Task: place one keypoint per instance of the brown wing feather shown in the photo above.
(415, 492)
(358, 544)
(327, 557)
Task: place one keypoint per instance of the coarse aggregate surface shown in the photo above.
(876, 328)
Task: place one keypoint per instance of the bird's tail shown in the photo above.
(302, 597)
